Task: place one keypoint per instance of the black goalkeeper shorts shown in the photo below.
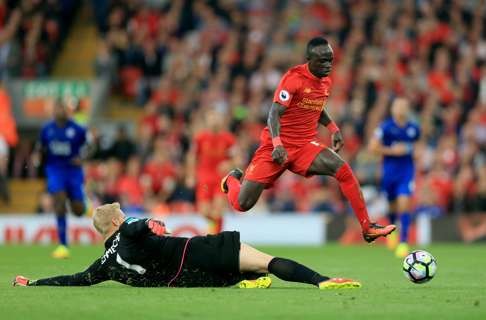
(215, 253)
(212, 261)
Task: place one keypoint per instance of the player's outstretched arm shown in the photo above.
(279, 154)
(93, 275)
(337, 137)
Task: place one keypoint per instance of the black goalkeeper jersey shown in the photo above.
(135, 256)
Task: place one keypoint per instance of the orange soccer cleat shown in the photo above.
(375, 231)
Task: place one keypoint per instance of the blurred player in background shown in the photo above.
(60, 143)
(394, 139)
(212, 154)
(289, 140)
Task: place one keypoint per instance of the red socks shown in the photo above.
(350, 187)
(233, 192)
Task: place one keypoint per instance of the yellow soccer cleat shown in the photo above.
(392, 241)
(402, 250)
(259, 283)
(61, 252)
(339, 283)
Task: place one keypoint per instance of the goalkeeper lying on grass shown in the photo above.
(139, 252)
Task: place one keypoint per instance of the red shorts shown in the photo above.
(262, 169)
(207, 190)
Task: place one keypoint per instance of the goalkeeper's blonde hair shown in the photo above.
(102, 216)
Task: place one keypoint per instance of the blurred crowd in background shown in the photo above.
(31, 33)
(177, 59)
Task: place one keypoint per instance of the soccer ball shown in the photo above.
(419, 266)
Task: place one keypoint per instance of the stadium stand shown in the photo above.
(176, 59)
(31, 34)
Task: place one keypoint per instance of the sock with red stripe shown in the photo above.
(234, 187)
(350, 188)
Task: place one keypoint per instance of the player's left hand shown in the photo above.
(337, 141)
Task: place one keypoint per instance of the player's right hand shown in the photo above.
(279, 155)
(20, 281)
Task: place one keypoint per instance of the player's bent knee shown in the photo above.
(78, 209)
(246, 204)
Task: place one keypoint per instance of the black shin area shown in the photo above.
(290, 270)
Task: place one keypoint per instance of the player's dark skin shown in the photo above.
(328, 162)
(77, 207)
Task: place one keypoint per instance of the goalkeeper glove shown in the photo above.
(157, 227)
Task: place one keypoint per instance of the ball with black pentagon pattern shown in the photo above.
(419, 266)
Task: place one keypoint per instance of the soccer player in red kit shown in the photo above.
(289, 140)
(212, 153)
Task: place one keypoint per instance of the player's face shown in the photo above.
(320, 60)
(400, 109)
(60, 111)
(214, 120)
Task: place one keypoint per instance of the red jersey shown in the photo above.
(211, 150)
(160, 173)
(304, 96)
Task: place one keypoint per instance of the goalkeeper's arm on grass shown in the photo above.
(93, 275)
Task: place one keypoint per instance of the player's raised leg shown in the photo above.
(330, 163)
(241, 195)
(244, 192)
(253, 260)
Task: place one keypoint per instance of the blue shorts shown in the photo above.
(69, 180)
(395, 186)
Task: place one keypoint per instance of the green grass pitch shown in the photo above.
(457, 292)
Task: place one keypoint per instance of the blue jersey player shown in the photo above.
(394, 139)
(61, 141)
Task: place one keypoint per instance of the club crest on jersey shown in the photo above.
(411, 132)
(284, 95)
(70, 133)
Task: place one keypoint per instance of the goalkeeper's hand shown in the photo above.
(157, 227)
(20, 281)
